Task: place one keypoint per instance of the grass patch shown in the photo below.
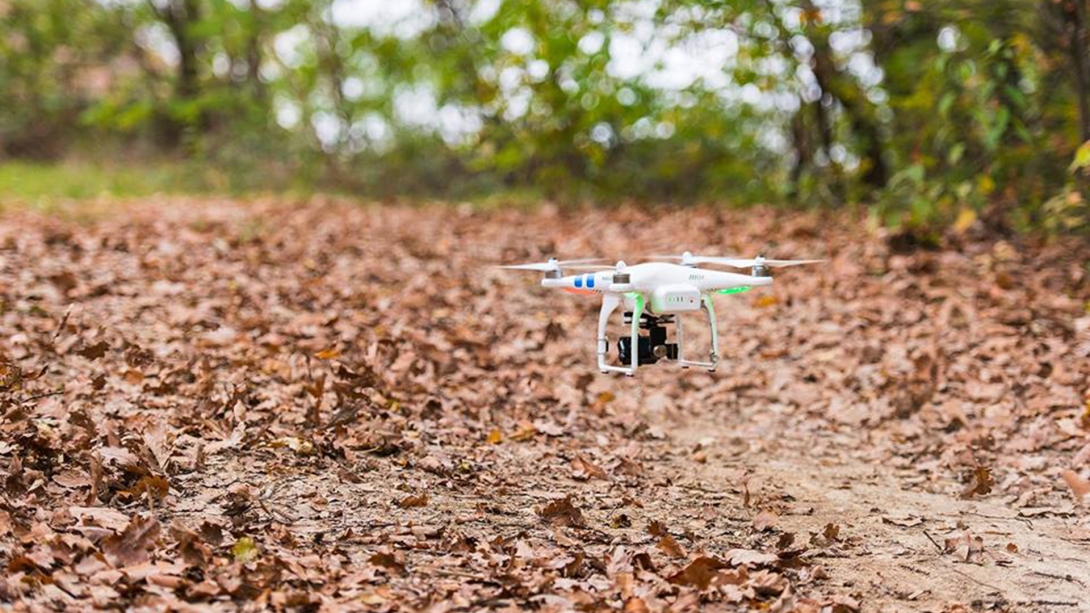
(82, 186)
(57, 186)
(44, 185)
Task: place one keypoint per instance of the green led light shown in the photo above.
(735, 290)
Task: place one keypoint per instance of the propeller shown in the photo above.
(688, 259)
(619, 266)
(590, 267)
(553, 265)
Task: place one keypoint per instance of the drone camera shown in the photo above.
(652, 346)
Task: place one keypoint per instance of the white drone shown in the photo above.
(672, 288)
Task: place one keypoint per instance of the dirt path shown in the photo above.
(893, 553)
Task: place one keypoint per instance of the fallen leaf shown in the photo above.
(563, 513)
(765, 301)
(72, 479)
(245, 550)
(980, 484)
(155, 486)
(699, 573)
(131, 546)
(765, 520)
(750, 557)
(583, 469)
(657, 528)
(524, 434)
(671, 547)
(105, 517)
(410, 502)
(192, 549)
(388, 560)
(904, 521)
(94, 352)
(1079, 487)
(300, 446)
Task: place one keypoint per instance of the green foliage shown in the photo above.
(936, 113)
(1069, 209)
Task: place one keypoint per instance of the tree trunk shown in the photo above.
(253, 53)
(860, 117)
(179, 16)
(1078, 38)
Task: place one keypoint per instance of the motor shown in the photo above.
(652, 346)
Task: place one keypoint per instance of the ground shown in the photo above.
(211, 404)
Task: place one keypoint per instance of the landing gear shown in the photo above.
(713, 354)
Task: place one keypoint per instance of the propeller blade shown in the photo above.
(783, 263)
(589, 267)
(749, 263)
(542, 267)
(551, 265)
(582, 261)
(735, 262)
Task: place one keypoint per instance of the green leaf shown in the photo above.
(946, 102)
(245, 550)
(956, 152)
(1082, 157)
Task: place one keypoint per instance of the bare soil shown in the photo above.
(323, 406)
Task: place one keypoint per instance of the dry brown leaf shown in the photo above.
(131, 546)
(699, 573)
(72, 479)
(155, 486)
(391, 561)
(414, 501)
(563, 513)
(980, 484)
(671, 547)
(1079, 487)
(377, 344)
(524, 434)
(751, 557)
(111, 519)
(765, 520)
(94, 352)
(583, 468)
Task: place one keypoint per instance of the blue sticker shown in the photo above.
(590, 280)
(579, 282)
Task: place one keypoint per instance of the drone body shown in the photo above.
(654, 295)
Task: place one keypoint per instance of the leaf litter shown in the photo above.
(219, 405)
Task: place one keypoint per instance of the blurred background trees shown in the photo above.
(935, 114)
